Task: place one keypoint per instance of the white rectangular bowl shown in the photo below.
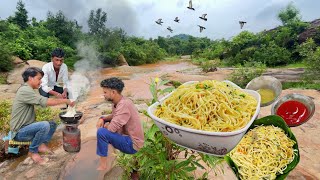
(213, 143)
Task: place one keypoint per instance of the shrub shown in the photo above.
(313, 69)
(5, 58)
(5, 113)
(246, 73)
(210, 66)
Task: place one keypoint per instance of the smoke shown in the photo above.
(79, 84)
(119, 13)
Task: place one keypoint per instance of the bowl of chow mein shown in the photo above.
(208, 116)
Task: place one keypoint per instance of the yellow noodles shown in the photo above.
(208, 105)
(263, 152)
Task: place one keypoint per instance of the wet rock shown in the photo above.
(28, 161)
(3, 167)
(141, 107)
(31, 173)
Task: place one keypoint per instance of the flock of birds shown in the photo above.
(203, 17)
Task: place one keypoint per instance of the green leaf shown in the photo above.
(163, 82)
(182, 164)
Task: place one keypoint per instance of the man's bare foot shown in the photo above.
(102, 164)
(36, 158)
(44, 149)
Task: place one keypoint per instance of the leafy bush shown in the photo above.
(5, 113)
(42, 114)
(312, 72)
(160, 158)
(210, 66)
(246, 73)
(5, 58)
(46, 114)
(272, 55)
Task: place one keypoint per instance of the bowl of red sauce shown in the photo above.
(295, 109)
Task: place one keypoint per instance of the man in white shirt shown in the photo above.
(55, 80)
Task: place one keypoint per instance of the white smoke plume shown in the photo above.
(79, 84)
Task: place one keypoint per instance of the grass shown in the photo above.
(300, 85)
(171, 58)
(294, 65)
(3, 78)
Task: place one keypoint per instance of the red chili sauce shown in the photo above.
(293, 112)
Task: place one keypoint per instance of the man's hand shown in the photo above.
(58, 95)
(64, 94)
(72, 103)
(100, 123)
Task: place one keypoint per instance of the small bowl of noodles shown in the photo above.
(268, 87)
(269, 150)
(208, 116)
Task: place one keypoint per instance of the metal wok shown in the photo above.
(71, 120)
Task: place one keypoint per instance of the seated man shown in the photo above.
(23, 123)
(125, 130)
(55, 73)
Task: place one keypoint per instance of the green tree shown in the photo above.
(307, 48)
(289, 14)
(272, 55)
(65, 30)
(5, 58)
(97, 20)
(21, 16)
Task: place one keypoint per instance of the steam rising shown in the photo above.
(79, 83)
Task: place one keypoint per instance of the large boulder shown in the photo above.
(17, 61)
(310, 32)
(14, 76)
(122, 61)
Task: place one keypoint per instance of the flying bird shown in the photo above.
(159, 21)
(201, 28)
(190, 5)
(169, 28)
(203, 17)
(242, 24)
(177, 19)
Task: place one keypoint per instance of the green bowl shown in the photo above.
(278, 122)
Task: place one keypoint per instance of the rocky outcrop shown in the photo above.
(310, 32)
(122, 61)
(14, 76)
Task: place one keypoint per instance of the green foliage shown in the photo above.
(42, 114)
(312, 72)
(5, 58)
(3, 78)
(272, 55)
(138, 51)
(210, 66)
(307, 48)
(289, 14)
(243, 75)
(46, 114)
(301, 85)
(21, 16)
(5, 113)
(65, 30)
(160, 158)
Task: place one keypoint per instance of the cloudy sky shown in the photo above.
(137, 17)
